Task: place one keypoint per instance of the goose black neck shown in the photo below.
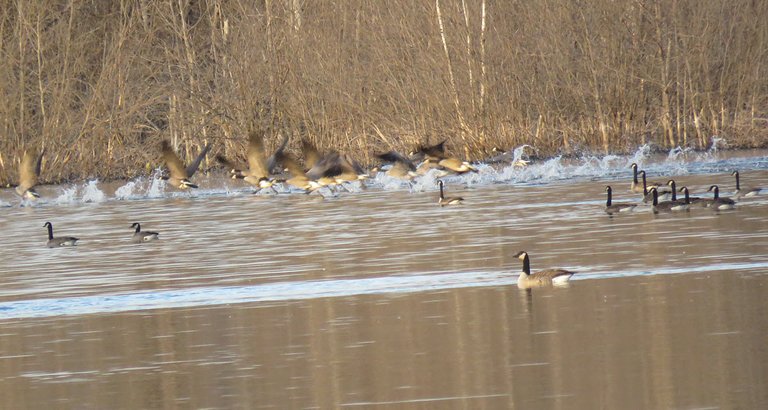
(50, 230)
(717, 192)
(687, 197)
(608, 201)
(441, 189)
(526, 265)
(138, 227)
(674, 191)
(634, 173)
(645, 186)
(736, 174)
(655, 197)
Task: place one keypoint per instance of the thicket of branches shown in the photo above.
(99, 83)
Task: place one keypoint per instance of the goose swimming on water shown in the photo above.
(541, 278)
(443, 200)
(140, 236)
(745, 192)
(60, 241)
(612, 208)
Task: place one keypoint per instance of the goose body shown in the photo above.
(60, 241)
(636, 186)
(691, 200)
(180, 174)
(258, 170)
(506, 157)
(141, 237)
(435, 157)
(443, 201)
(718, 202)
(541, 278)
(299, 178)
(647, 196)
(432, 153)
(29, 172)
(686, 202)
(456, 165)
(666, 206)
(746, 192)
(612, 208)
(402, 168)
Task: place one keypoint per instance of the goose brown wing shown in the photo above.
(257, 164)
(322, 167)
(552, 273)
(192, 168)
(350, 165)
(311, 155)
(230, 165)
(29, 170)
(436, 151)
(290, 163)
(272, 160)
(395, 157)
(172, 161)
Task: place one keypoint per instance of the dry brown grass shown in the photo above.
(99, 84)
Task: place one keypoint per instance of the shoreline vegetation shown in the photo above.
(99, 85)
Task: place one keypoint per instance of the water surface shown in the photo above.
(380, 298)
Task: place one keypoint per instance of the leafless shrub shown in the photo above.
(99, 84)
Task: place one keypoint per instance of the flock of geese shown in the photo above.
(335, 169)
(653, 192)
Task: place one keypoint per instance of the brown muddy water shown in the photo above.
(379, 298)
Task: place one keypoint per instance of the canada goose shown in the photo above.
(671, 183)
(746, 192)
(635, 186)
(443, 201)
(258, 171)
(60, 241)
(456, 165)
(272, 162)
(432, 153)
(29, 172)
(507, 157)
(541, 278)
(647, 197)
(298, 178)
(402, 167)
(179, 175)
(688, 198)
(234, 170)
(139, 236)
(311, 154)
(666, 206)
(435, 157)
(719, 202)
(611, 208)
(349, 170)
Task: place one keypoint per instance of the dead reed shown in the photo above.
(99, 84)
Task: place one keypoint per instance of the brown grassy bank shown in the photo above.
(100, 83)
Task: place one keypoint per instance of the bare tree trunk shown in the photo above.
(482, 60)
(666, 120)
(296, 14)
(460, 117)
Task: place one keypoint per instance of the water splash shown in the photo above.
(126, 191)
(717, 143)
(92, 193)
(156, 186)
(67, 196)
